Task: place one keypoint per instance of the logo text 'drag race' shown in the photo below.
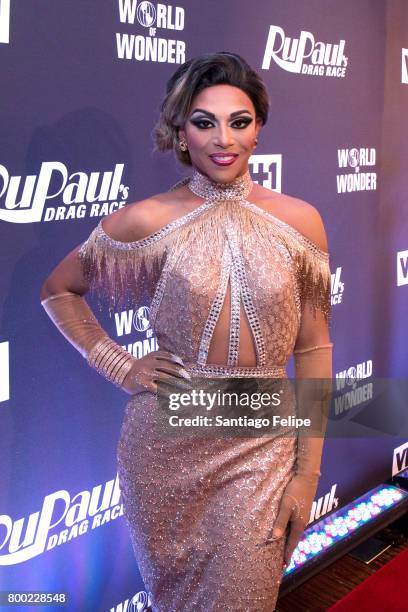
(56, 195)
(304, 55)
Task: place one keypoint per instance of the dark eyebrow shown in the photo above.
(212, 116)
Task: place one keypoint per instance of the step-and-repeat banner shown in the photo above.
(81, 84)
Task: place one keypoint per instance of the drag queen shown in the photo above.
(239, 281)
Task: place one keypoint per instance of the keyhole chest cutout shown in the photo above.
(228, 331)
(232, 334)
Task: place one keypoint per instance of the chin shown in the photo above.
(226, 175)
(223, 174)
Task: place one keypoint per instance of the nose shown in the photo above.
(224, 137)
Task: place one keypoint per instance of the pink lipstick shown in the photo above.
(223, 159)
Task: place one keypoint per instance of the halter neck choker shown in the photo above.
(204, 187)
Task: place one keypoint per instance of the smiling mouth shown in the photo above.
(223, 159)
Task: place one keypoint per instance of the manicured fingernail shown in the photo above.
(277, 532)
(177, 359)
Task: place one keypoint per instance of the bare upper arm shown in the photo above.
(306, 219)
(66, 276)
(297, 213)
(134, 221)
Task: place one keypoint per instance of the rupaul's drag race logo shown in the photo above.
(324, 504)
(304, 55)
(355, 161)
(56, 195)
(337, 287)
(60, 520)
(154, 20)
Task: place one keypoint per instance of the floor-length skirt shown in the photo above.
(200, 509)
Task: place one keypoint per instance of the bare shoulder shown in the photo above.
(143, 217)
(301, 215)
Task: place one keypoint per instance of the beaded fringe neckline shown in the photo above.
(117, 269)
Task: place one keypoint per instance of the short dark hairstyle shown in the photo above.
(192, 77)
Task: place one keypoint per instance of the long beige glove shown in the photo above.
(76, 321)
(313, 401)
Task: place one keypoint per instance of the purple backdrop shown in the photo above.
(81, 86)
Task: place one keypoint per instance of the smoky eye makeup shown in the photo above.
(199, 121)
(204, 122)
(245, 121)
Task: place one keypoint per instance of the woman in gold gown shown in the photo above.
(239, 281)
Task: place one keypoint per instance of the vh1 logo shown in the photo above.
(266, 170)
(4, 21)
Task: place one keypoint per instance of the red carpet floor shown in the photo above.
(386, 589)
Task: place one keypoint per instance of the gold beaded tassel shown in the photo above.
(117, 272)
(314, 281)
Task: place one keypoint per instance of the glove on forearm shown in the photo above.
(76, 321)
(313, 401)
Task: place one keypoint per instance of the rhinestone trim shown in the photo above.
(210, 370)
(216, 306)
(249, 307)
(235, 308)
(160, 233)
(204, 187)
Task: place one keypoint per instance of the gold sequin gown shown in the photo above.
(198, 510)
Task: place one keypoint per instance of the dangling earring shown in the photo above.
(183, 144)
